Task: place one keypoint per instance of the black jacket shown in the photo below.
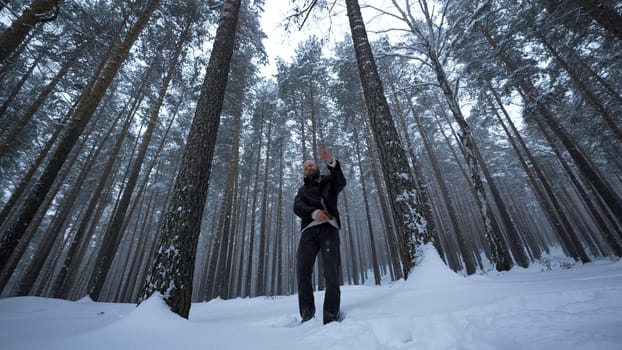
(309, 196)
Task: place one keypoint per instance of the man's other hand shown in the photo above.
(321, 216)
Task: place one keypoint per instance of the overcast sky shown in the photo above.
(282, 43)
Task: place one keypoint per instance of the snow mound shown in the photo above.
(153, 308)
(85, 299)
(432, 271)
(571, 309)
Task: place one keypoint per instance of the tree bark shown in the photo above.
(353, 261)
(39, 11)
(278, 261)
(173, 268)
(241, 227)
(401, 186)
(251, 240)
(470, 150)
(263, 231)
(370, 230)
(396, 260)
(136, 273)
(605, 14)
(421, 188)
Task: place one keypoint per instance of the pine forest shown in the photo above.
(143, 149)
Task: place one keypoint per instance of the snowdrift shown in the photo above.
(577, 308)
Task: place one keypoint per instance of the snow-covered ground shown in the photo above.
(576, 308)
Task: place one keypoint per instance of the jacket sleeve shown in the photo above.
(339, 181)
(302, 209)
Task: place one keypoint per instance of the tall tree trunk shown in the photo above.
(217, 285)
(544, 191)
(470, 150)
(493, 233)
(115, 230)
(23, 184)
(111, 237)
(303, 127)
(278, 262)
(351, 252)
(138, 246)
(39, 11)
(605, 14)
(146, 259)
(241, 227)
(235, 261)
(173, 268)
(9, 268)
(19, 86)
(583, 189)
(394, 246)
(12, 60)
(92, 241)
(587, 169)
(263, 231)
(586, 69)
(143, 243)
(465, 249)
(111, 275)
(468, 180)
(421, 188)
(146, 235)
(83, 113)
(370, 230)
(44, 248)
(38, 102)
(69, 268)
(401, 186)
(251, 240)
(585, 90)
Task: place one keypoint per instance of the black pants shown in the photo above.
(326, 238)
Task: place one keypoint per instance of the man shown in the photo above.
(316, 205)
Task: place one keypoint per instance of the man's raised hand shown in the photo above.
(325, 156)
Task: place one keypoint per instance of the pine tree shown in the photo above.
(40, 11)
(89, 101)
(405, 201)
(115, 230)
(173, 267)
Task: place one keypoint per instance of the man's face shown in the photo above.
(311, 169)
